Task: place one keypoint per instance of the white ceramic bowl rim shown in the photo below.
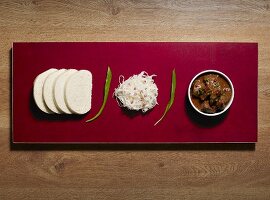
(227, 79)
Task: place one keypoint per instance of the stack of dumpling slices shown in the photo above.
(63, 91)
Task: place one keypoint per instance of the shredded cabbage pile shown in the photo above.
(138, 92)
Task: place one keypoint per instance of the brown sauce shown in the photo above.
(210, 93)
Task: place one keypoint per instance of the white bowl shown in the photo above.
(226, 78)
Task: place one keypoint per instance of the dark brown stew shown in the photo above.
(210, 93)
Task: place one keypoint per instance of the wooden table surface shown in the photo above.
(135, 171)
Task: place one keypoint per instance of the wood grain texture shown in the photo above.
(135, 172)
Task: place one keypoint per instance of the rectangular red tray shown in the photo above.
(239, 61)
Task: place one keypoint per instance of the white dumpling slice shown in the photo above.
(78, 92)
(59, 90)
(38, 90)
(48, 90)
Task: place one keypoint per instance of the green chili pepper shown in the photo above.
(106, 93)
(170, 103)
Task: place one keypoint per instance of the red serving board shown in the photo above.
(237, 60)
